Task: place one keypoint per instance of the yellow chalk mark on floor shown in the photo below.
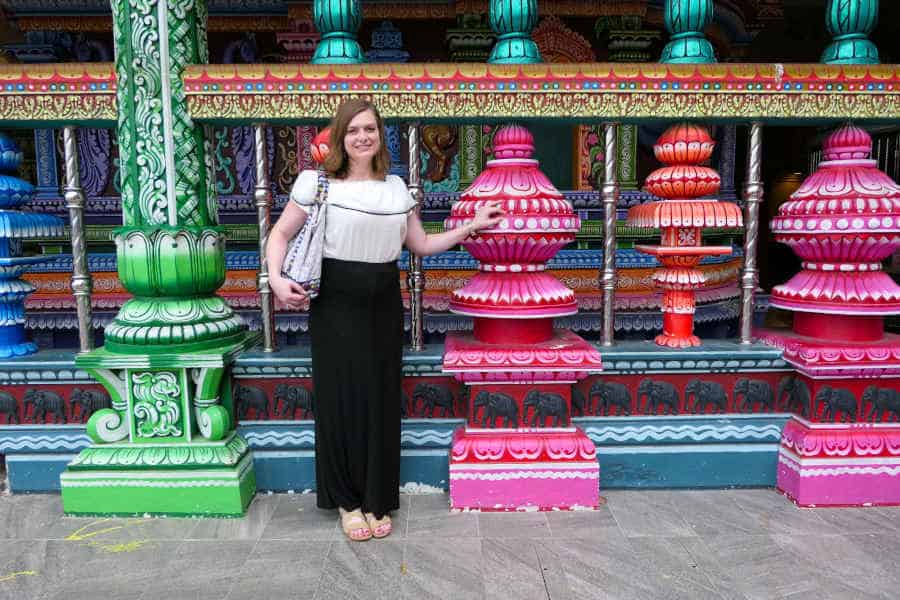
(120, 547)
(12, 576)
(84, 533)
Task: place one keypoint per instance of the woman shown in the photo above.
(356, 322)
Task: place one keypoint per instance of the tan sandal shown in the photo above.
(380, 527)
(354, 525)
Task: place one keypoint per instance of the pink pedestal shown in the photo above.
(523, 470)
(839, 465)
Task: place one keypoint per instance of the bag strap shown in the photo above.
(322, 188)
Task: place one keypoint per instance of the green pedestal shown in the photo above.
(204, 479)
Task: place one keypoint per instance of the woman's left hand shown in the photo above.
(487, 216)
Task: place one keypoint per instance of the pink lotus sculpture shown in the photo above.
(842, 222)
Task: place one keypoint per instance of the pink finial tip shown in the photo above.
(848, 142)
(513, 141)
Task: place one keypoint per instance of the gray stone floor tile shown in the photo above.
(648, 513)
(860, 520)
(512, 570)
(443, 568)
(111, 530)
(29, 516)
(297, 518)
(250, 527)
(281, 570)
(22, 572)
(513, 525)
(371, 569)
(592, 524)
(776, 514)
(430, 517)
(710, 512)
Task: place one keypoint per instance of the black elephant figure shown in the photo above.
(579, 403)
(247, 397)
(609, 394)
(545, 404)
(293, 397)
(884, 402)
(797, 395)
(753, 392)
(433, 396)
(836, 401)
(495, 405)
(404, 405)
(9, 407)
(88, 401)
(706, 394)
(659, 393)
(44, 402)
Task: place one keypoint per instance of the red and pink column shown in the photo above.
(843, 448)
(519, 450)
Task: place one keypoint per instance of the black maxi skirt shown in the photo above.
(356, 330)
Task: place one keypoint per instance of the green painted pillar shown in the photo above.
(337, 21)
(513, 20)
(850, 22)
(685, 21)
(168, 445)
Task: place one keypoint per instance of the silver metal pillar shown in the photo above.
(415, 279)
(610, 193)
(81, 277)
(262, 194)
(753, 196)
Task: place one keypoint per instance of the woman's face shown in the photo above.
(362, 141)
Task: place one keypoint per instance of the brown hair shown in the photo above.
(337, 162)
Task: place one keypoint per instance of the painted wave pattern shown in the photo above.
(694, 433)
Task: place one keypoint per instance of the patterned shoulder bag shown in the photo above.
(303, 261)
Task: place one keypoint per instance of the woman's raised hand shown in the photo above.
(487, 216)
(290, 293)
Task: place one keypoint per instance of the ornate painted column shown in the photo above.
(387, 46)
(337, 21)
(168, 445)
(685, 21)
(850, 22)
(512, 21)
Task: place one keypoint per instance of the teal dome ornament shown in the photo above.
(685, 21)
(512, 21)
(338, 22)
(850, 22)
(15, 226)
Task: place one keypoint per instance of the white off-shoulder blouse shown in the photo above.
(366, 220)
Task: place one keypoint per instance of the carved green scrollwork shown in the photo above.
(157, 409)
(226, 453)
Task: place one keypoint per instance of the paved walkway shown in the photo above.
(640, 544)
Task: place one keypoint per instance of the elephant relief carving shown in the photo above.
(884, 402)
(88, 402)
(432, 396)
(45, 402)
(836, 401)
(9, 407)
(752, 393)
(293, 397)
(493, 406)
(544, 405)
(659, 394)
(579, 403)
(705, 394)
(793, 395)
(610, 394)
(247, 397)
(404, 405)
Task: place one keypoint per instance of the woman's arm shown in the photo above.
(423, 244)
(289, 223)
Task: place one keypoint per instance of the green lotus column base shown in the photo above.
(212, 480)
(168, 444)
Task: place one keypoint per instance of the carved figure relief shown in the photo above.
(836, 402)
(44, 402)
(88, 401)
(793, 395)
(544, 405)
(9, 407)
(706, 394)
(493, 406)
(247, 397)
(659, 394)
(608, 395)
(293, 397)
(432, 396)
(884, 403)
(752, 393)
(580, 406)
